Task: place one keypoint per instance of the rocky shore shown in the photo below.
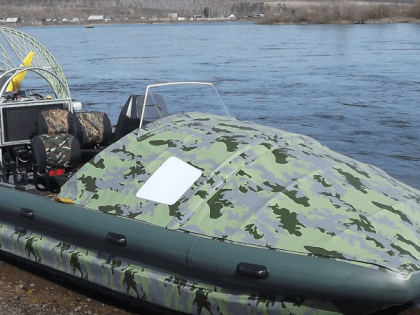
(26, 290)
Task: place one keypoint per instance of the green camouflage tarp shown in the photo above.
(261, 187)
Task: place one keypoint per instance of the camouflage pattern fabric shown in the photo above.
(260, 187)
(57, 149)
(93, 127)
(56, 120)
(153, 286)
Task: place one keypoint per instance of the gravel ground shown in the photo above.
(29, 291)
(25, 290)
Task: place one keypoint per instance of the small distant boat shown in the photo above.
(90, 26)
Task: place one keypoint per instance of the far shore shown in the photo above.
(341, 12)
(275, 12)
(242, 20)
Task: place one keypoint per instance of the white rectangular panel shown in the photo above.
(169, 182)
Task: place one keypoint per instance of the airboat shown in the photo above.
(183, 206)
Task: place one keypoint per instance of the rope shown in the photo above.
(62, 200)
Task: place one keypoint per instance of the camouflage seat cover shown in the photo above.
(52, 152)
(55, 121)
(93, 128)
(56, 150)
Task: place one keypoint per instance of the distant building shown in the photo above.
(95, 17)
(198, 17)
(173, 16)
(232, 17)
(12, 20)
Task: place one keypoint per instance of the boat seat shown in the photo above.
(94, 132)
(55, 121)
(56, 158)
(155, 109)
(127, 120)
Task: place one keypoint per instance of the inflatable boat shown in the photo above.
(183, 206)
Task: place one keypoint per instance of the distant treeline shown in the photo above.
(126, 8)
(343, 11)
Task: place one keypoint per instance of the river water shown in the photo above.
(355, 88)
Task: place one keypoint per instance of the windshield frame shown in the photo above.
(147, 93)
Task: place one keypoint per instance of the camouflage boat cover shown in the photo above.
(260, 187)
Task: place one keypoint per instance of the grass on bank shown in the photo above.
(342, 12)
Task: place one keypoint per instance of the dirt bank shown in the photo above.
(28, 291)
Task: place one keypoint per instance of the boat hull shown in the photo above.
(184, 272)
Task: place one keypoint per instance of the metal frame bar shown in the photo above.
(38, 71)
(41, 72)
(21, 44)
(3, 142)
